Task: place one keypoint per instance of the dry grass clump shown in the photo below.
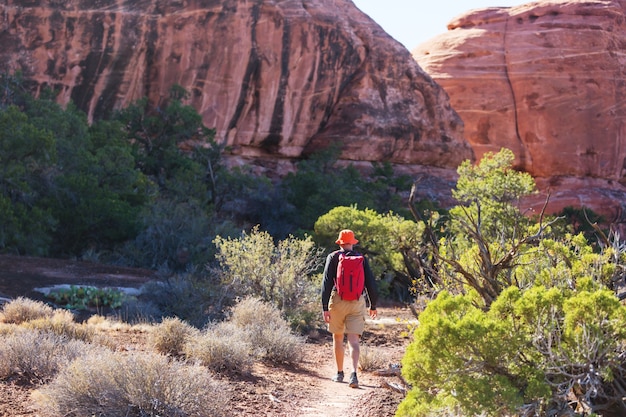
(221, 347)
(255, 329)
(171, 335)
(136, 384)
(62, 323)
(370, 359)
(7, 328)
(267, 330)
(23, 309)
(32, 356)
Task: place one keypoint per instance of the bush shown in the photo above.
(36, 357)
(533, 352)
(137, 384)
(268, 331)
(253, 265)
(222, 347)
(62, 323)
(23, 309)
(371, 359)
(187, 296)
(174, 235)
(171, 335)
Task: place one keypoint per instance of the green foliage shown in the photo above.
(536, 324)
(190, 296)
(488, 234)
(493, 180)
(277, 273)
(389, 239)
(586, 221)
(27, 154)
(159, 135)
(67, 185)
(319, 185)
(99, 193)
(174, 235)
(460, 352)
(83, 297)
(532, 350)
(488, 193)
(565, 261)
(120, 188)
(177, 152)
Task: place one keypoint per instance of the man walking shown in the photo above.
(346, 275)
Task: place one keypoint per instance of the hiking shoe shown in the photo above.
(354, 382)
(338, 377)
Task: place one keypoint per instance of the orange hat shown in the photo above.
(346, 237)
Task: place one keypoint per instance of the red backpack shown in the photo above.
(350, 280)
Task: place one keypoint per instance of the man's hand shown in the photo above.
(373, 314)
(326, 316)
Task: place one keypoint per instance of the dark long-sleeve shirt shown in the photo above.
(330, 273)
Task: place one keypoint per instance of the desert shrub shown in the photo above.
(62, 323)
(277, 273)
(371, 359)
(137, 384)
(7, 328)
(532, 353)
(36, 357)
(170, 336)
(307, 318)
(174, 234)
(222, 347)
(24, 309)
(188, 296)
(268, 331)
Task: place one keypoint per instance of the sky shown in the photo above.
(412, 22)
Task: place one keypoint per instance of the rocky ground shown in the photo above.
(304, 390)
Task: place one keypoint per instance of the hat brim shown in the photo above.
(344, 242)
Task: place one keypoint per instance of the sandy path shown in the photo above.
(332, 399)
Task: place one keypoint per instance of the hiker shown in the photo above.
(346, 274)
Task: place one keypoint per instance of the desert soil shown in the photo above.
(304, 390)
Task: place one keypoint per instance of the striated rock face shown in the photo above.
(276, 78)
(546, 80)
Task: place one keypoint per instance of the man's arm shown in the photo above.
(370, 284)
(328, 282)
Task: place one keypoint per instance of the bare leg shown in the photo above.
(338, 350)
(353, 341)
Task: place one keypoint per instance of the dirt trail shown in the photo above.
(305, 390)
(332, 399)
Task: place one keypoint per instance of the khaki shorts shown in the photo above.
(346, 316)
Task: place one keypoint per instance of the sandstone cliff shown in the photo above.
(545, 79)
(275, 78)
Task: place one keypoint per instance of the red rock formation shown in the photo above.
(545, 80)
(275, 78)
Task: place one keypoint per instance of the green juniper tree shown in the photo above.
(527, 324)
